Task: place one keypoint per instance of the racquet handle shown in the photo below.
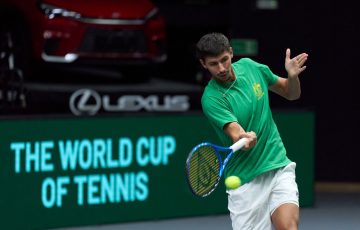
(239, 144)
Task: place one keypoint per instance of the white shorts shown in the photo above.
(252, 204)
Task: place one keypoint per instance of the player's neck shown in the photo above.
(232, 74)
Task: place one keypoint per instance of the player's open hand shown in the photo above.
(294, 66)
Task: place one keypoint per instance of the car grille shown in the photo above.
(114, 41)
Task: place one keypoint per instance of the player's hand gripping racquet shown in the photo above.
(204, 166)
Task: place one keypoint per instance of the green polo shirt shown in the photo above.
(246, 102)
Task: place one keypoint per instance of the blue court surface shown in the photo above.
(336, 209)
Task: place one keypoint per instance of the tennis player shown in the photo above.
(236, 102)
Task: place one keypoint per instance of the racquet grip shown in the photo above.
(239, 144)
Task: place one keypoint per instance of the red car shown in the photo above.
(81, 33)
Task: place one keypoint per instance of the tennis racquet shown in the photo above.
(204, 166)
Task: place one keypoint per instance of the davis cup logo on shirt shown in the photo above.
(259, 93)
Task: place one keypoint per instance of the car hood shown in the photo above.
(124, 9)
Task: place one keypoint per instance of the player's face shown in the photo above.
(220, 66)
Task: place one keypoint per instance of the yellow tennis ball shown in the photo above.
(232, 182)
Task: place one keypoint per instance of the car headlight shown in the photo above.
(53, 11)
(152, 14)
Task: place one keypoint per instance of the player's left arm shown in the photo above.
(289, 88)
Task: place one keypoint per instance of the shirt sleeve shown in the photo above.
(217, 112)
(268, 75)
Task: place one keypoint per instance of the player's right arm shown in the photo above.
(235, 132)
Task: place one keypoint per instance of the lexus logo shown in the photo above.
(85, 102)
(89, 102)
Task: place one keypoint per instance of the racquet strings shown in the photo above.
(203, 170)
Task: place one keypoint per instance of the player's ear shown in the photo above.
(231, 52)
(203, 63)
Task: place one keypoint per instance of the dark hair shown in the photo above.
(212, 44)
